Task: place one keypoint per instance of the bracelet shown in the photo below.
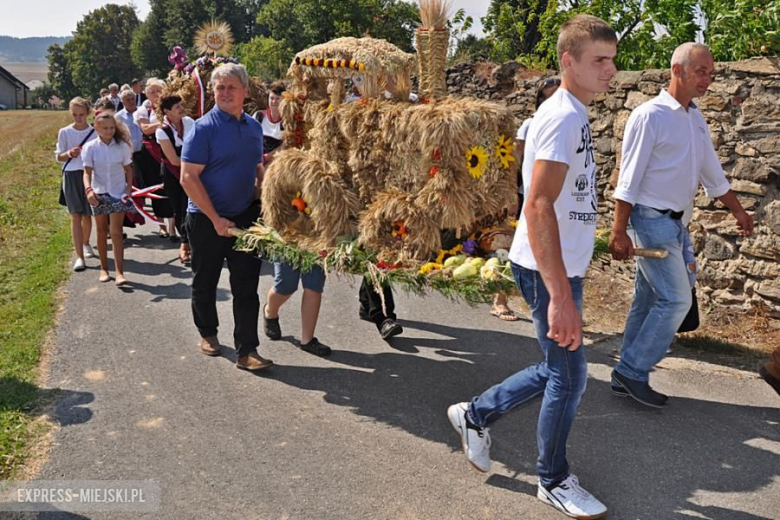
(88, 189)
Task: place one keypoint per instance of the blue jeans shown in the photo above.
(662, 293)
(561, 378)
(287, 278)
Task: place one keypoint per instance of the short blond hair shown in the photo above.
(153, 82)
(580, 29)
(79, 101)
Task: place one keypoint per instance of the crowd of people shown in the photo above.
(212, 171)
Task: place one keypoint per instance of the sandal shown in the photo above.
(121, 281)
(271, 326)
(163, 233)
(505, 314)
(185, 258)
(104, 278)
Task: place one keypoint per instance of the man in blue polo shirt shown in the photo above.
(221, 171)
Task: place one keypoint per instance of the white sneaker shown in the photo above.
(79, 265)
(88, 252)
(572, 500)
(475, 441)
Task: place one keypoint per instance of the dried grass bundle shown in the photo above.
(332, 208)
(401, 162)
(434, 13)
(391, 207)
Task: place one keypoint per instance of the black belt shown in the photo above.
(676, 215)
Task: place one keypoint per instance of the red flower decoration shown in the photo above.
(434, 171)
(436, 155)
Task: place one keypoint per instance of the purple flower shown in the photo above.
(177, 58)
(189, 68)
(469, 246)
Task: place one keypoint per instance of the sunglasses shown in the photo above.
(551, 81)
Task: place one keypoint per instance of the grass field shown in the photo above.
(34, 252)
(19, 128)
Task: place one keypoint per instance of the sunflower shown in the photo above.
(430, 266)
(504, 150)
(476, 160)
(445, 254)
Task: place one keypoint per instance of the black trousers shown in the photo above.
(209, 251)
(150, 171)
(371, 303)
(178, 200)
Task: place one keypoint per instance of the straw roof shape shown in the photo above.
(348, 55)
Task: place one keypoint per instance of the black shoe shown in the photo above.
(316, 348)
(390, 328)
(271, 327)
(618, 390)
(363, 314)
(639, 390)
(766, 376)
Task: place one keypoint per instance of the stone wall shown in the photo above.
(742, 109)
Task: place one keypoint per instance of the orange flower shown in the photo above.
(399, 229)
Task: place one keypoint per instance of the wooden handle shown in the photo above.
(651, 253)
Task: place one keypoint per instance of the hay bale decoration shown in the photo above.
(400, 192)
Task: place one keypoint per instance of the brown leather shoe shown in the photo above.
(210, 346)
(253, 362)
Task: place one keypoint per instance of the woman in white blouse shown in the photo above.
(151, 155)
(170, 137)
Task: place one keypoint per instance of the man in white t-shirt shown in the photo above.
(550, 255)
(667, 153)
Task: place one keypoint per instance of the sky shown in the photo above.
(59, 18)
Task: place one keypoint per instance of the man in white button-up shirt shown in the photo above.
(667, 152)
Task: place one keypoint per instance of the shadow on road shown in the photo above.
(644, 463)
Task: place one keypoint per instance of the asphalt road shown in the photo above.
(364, 433)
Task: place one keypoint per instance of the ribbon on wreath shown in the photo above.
(201, 91)
(137, 198)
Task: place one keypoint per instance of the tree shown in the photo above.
(99, 52)
(513, 27)
(459, 25)
(59, 75)
(265, 57)
(174, 22)
(148, 48)
(43, 95)
(298, 24)
(648, 30)
(472, 48)
(736, 29)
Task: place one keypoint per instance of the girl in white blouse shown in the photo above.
(69, 143)
(108, 183)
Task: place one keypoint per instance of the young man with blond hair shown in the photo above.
(550, 254)
(667, 153)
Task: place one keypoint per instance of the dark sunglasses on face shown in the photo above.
(552, 81)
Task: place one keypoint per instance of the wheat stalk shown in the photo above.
(434, 13)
